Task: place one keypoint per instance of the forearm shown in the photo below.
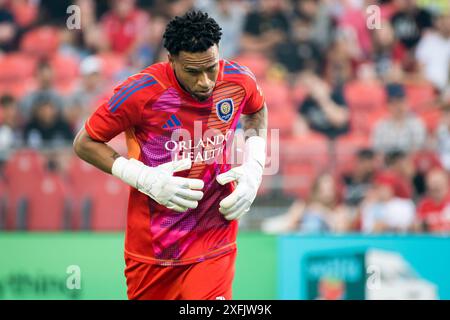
(336, 115)
(255, 124)
(99, 154)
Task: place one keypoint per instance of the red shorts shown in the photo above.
(207, 280)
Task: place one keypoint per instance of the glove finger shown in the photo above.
(184, 203)
(189, 194)
(233, 197)
(176, 207)
(239, 213)
(233, 208)
(230, 175)
(177, 165)
(189, 183)
(230, 200)
(226, 177)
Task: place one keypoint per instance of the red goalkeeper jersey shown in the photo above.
(161, 121)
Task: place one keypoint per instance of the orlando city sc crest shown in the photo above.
(224, 109)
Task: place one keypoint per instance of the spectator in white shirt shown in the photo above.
(400, 130)
(384, 212)
(433, 52)
(443, 137)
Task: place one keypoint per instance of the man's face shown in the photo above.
(437, 183)
(443, 25)
(197, 72)
(123, 7)
(45, 77)
(398, 107)
(365, 166)
(405, 166)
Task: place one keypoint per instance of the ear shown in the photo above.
(171, 59)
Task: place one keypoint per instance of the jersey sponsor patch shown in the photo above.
(224, 109)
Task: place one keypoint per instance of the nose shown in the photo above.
(203, 81)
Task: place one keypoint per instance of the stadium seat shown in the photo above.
(112, 64)
(311, 149)
(266, 185)
(346, 148)
(363, 122)
(257, 63)
(3, 204)
(82, 178)
(431, 118)
(420, 96)
(23, 171)
(48, 207)
(16, 74)
(40, 42)
(25, 12)
(366, 96)
(283, 120)
(100, 200)
(22, 166)
(109, 207)
(425, 160)
(276, 94)
(298, 179)
(65, 69)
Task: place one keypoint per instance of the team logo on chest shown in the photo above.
(224, 109)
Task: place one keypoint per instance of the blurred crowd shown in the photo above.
(358, 89)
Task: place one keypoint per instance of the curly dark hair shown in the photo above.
(195, 31)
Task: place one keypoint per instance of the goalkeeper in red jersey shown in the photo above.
(185, 198)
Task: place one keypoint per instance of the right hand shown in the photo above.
(175, 193)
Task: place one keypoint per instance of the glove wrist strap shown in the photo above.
(128, 170)
(255, 150)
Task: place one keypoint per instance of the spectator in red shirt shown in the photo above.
(433, 212)
(125, 26)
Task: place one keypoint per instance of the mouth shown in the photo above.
(204, 94)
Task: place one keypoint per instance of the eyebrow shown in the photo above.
(190, 68)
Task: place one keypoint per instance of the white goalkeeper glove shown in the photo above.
(176, 193)
(248, 177)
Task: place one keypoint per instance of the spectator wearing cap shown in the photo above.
(433, 212)
(90, 91)
(400, 130)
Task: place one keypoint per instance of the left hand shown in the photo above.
(248, 177)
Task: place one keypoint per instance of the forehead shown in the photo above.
(199, 59)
